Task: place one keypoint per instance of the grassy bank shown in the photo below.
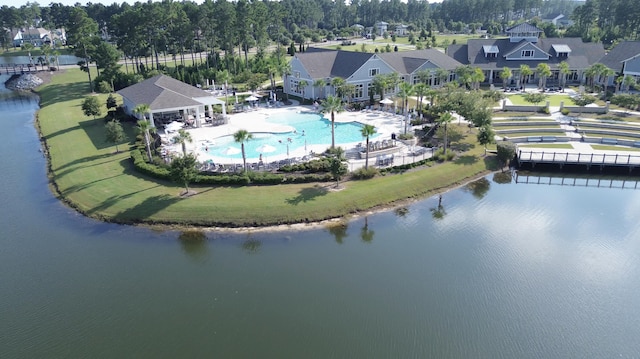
(95, 180)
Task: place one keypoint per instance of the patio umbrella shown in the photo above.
(173, 126)
(230, 151)
(251, 98)
(265, 148)
(386, 101)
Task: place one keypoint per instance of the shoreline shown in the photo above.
(302, 224)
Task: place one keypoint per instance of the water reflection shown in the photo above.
(401, 211)
(251, 246)
(478, 188)
(503, 177)
(366, 234)
(194, 244)
(338, 230)
(438, 212)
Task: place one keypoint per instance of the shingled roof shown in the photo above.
(623, 51)
(163, 92)
(406, 62)
(325, 64)
(582, 54)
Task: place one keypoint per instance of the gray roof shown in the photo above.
(163, 92)
(331, 63)
(582, 54)
(623, 51)
(406, 62)
(524, 27)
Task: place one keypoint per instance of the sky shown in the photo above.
(18, 3)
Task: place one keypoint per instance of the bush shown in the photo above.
(440, 156)
(405, 136)
(362, 173)
(565, 111)
(544, 110)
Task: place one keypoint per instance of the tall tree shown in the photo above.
(242, 136)
(115, 133)
(505, 75)
(444, 120)
(367, 131)
(82, 34)
(182, 138)
(91, 106)
(544, 71)
(525, 72)
(183, 170)
(332, 105)
(564, 70)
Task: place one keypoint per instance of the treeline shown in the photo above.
(606, 21)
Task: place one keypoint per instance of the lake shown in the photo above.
(497, 269)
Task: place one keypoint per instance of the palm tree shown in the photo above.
(242, 136)
(182, 138)
(406, 90)
(590, 74)
(607, 72)
(444, 119)
(505, 75)
(477, 77)
(525, 72)
(564, 70)
(321, 84)
(380, 84)
(338, 84)
(303, 85)
(544, 71)
(420, 90)
(224, 77)
(332, 105)
(145, 128)
(142, 109)
(367, 131)
(442, 75)
(628, 81)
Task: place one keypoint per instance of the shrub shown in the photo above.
(440, 156)
(405, 136)
(565, 111)
(544, 110)
(362, 173)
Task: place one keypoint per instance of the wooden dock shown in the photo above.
(556, 180)
(575, 158)
(16, 69)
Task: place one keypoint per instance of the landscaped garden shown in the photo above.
(88, 174)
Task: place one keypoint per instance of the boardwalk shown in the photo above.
(533, 157)
(557, 180)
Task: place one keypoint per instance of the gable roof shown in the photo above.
(406, 62)
(163, 92)
(322, 63)
(523, 44)
(622, 52)
(582, 55)
(524, 27)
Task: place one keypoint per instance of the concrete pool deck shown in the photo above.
(256, 121)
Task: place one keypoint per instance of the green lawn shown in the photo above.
(103, 184)
(564, 146)
(554, 100)
(614, 148)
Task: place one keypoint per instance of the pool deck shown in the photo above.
(256, 121)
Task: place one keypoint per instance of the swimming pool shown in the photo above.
(309, 129)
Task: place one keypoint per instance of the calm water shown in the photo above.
(496, 271)
(310, 129)
(23, 60)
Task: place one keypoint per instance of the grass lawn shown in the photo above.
(531, 133)
(93, 178)
(554, 100)
(34, 52)
(615, 148)
(565, 146)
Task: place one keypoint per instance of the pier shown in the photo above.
(557, 180)
(16, 69)
(575, 158)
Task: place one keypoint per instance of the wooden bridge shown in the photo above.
(17, 69)
(556, 180)
(563, 158)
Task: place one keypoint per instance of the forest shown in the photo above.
(146, 33)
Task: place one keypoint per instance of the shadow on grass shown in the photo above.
(307, 194)
(63, 92)
(64, 169)
(83, 186)
(147, 208)
(466, 160)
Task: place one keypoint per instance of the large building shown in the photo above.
(525, 47)
(360, 68)
(624, 59)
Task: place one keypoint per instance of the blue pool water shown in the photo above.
(310, 129)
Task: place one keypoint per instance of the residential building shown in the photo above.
(381, 27)
(525, 47)
(624, 59)
(360, 68)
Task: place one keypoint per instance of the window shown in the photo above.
(373, 72)
(297, 74)
(359, 92)
(527, 53)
